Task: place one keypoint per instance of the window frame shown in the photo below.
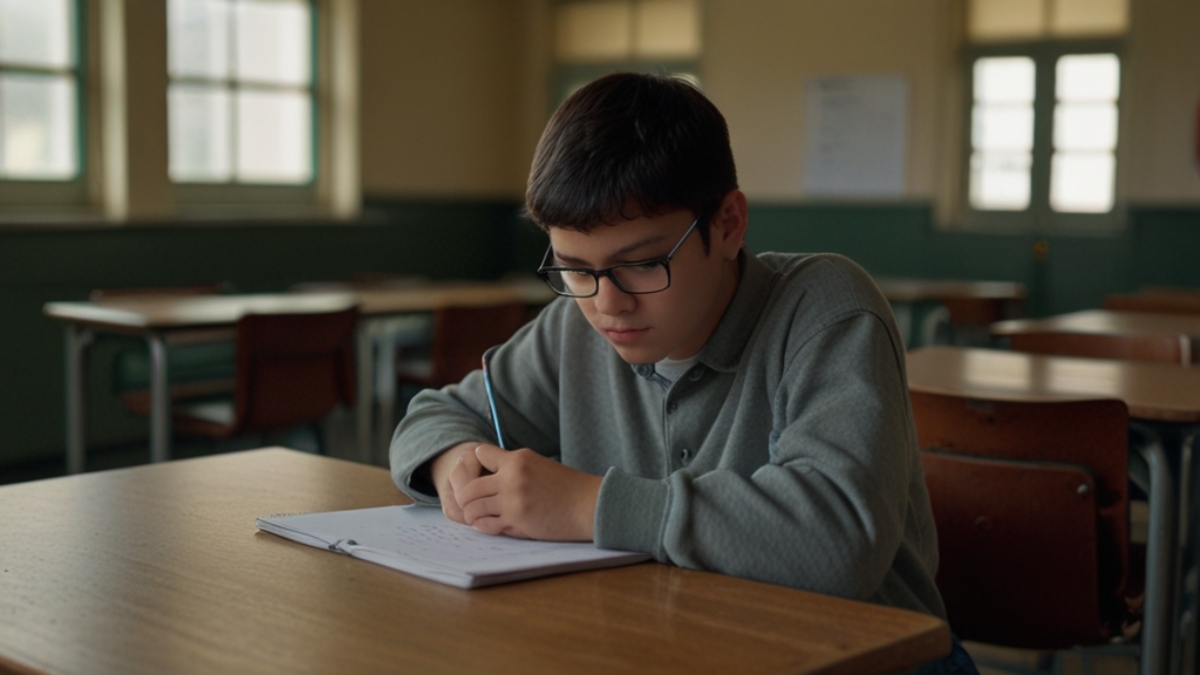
(209, 197)
(1039, 217)
(37, 193)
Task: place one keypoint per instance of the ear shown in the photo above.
(727, 230)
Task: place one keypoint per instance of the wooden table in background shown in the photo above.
(1155, 302)
(1109, 322)
(960, 303)
(171, 319)
(161, 320)
(1164, 395)
(159, 569)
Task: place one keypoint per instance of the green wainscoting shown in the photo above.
(484, 239)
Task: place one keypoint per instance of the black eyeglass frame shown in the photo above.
(544, 270)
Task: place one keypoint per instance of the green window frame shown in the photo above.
(235, 190)
(1039, 216)
(70, 189)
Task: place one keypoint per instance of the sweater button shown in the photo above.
(685, 455)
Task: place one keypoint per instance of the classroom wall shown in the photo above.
(441, 97)
(454, 99)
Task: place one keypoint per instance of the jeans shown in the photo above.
(958, 662)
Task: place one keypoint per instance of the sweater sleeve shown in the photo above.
(524, 378)
(827, 511)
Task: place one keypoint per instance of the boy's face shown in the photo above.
(676, 322)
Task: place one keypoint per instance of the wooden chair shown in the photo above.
(1031, 502)
(1155, 302)
(292, 370)
(1175, 349)
(461, 335)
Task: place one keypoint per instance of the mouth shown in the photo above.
(623, 336)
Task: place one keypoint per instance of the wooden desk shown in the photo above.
(161, 319)
(1155, 393)
(1155, 302)
(159, 569)
(174, 319)
(1109, 322)
(952, 302)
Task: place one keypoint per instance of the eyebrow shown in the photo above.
(572, 261)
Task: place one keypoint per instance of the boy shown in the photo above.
(722, 411)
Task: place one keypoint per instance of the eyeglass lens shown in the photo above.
(642, 278)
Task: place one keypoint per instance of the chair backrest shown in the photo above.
(1157, 348)
(1044, 487)
(462, 334)
(293, 368)
(1155, 302)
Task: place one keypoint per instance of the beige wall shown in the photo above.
(759, 52)
(1162, 100)
(453, 91)
(441, 97)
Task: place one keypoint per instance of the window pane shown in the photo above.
(1000, 181)
(198, 38)
(274, 137)
(1088, 77)
(37, 115)
(199, 124)
(1085, 126)
(667, 29)
(1007, 79)
(593, 31)
(1002, 127)
(1082, 181)
(1073, 18)
(273, 41)
(1005, 19)
(37, 33)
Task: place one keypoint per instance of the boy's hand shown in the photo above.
(447, 464)
(525, 495)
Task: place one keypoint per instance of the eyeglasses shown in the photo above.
(644, 276)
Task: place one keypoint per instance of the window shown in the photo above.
(596, 37)
(40, 138)
(240, 101)
(1044, 80)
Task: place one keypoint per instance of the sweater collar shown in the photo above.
(724, 348)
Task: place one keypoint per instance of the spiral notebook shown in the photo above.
(420, 540)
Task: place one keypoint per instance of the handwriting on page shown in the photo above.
(439, 541)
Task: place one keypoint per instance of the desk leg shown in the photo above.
(385, 387)
(78, 340)
(366, 381)
(1157, 627)
(160, 400)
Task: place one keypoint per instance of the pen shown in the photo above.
(487, 385)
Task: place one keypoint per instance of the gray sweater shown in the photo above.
(787, 454)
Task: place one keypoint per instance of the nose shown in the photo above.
(611, 300)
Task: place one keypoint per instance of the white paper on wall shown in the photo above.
(854, 136)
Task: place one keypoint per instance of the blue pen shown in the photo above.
(487, 385)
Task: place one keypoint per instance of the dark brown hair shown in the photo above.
(628, 145)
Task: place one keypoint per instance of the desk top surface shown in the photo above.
(915, 290)
(1105, 322)
(160, 569)
(1153, 391)
(137, 313)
